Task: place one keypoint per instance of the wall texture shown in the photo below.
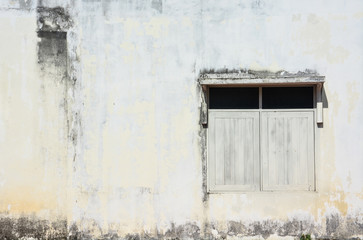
(100, 109)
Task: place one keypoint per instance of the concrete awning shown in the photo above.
(260, 78)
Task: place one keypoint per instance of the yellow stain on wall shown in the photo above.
(315, 38)
(358, 15)
(33, 121)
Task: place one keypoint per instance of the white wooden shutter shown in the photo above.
(233, 151)
(287, 150)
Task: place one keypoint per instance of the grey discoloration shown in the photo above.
(203, 144)
(203, 141)
(247, 73)
(31, 227)
(189, 230)
(339, 227)
(258, 4)
(157, 5)
(25, 4)
(250, 77)
(264, 228)
(53, 19)
(52, 53)
(74, 233)
(204, 107)
(332, 224)
(295, 227)
(354, 224)
(235, 228)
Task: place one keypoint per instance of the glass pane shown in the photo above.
(287, 97)
(233, 98)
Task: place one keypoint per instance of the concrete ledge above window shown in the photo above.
(250, 78)
(260, 78)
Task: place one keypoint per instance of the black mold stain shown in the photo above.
(52, 35)
(30, 227)
(332, 224)
(295, 227)
(261, 73)
(188, 230)
(354, 225)
(235, 228)
(75, 234)
(52, 53)
(203, 144)
(7, 228)
(264, 228)
(53, 19)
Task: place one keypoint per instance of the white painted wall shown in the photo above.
(138, 164)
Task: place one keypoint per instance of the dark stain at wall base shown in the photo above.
(238, 230)
(188, 230)
(29, 227)
(332, 224)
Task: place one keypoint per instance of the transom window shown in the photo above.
(261, 138)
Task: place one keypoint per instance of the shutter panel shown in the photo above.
(233, 151)
(287, 149)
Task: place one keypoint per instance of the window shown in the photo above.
(261, 138)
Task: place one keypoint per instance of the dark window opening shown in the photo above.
(233, 98)
(287, 97)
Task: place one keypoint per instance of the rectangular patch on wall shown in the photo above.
(52, 52)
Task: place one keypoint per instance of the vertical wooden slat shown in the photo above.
(289, 164)
(280, 150)
(298, 155)
(219, 150)
(311, 155)
(294, 174)
(239, 151)
(256, 178)
(248, 152)
(273, 149)
(228, 157)
(303, 151)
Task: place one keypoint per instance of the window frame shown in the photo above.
(220, 82)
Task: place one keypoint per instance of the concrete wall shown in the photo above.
(100, 106)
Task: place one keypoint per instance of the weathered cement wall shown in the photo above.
(100, 106)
